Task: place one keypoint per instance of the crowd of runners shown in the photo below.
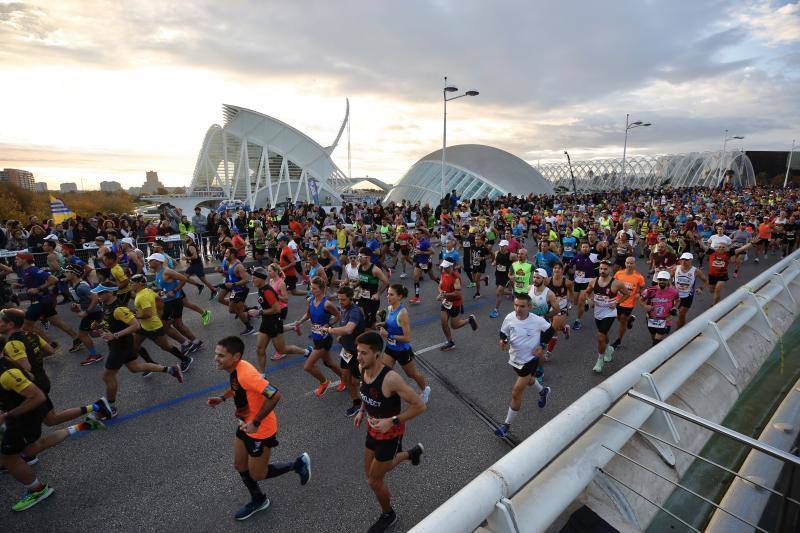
(348, 273)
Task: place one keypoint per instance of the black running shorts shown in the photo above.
(255, 447)
(173, 309)
(403, 356)
(384, 450)
(271, 326)
(604, 324)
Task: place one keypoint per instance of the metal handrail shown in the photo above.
(469, 507)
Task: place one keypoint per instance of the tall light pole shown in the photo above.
(788, 165)
(571, 173)
(628, 127)
(445, 99)
(725, 140)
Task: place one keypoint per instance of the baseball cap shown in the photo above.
(504, 243)
(138, 278)
(100, 238)
(75, 269)
(157, 257)
(540, 272)
(662, 275)
(51, 237)
(127, 240)
(687, 255)
(192, 236)
(107, 287)
(446, 264)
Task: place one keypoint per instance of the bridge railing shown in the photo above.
(532, 485)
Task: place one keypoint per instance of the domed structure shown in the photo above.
(474, 171)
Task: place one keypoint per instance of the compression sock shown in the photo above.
(512, 414)
(252, 486)
(537, 386)
(144, 354)
(551, 345)
(278, 469)
(177, 353)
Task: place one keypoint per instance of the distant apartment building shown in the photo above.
(20, 178)
(134, 191)
(69, 187)
(110, 186)
(40, 187)
(151, 184)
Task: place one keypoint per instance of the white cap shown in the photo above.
(504, 243)
(687, 255)
(446, 264)
(192, 236)
(51, 237)
(128, 240)
(663, 275)
(157, 257)
(540, 272)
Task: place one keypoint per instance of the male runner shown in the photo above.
(524, 335)
(521, 272)
(452, 305)
(349, 327)
(170, 286)
(86, 306)
(635, 284)
(196, 268)
(255, 400)
(423, 252)
(119, 276)
(372, 282)
(583, 269)
(718, 263)
(502, 267)
(686, 276)
(604, 291)
(381, 391)
(288, 263)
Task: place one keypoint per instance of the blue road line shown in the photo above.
(207, 390)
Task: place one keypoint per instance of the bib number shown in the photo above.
(317, 329)
(424, 266)
(656, 323)
(447, 304)
(345, 355)
(501, 268)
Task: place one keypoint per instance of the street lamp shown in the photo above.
(725, 140)
(445, 99)
(628, 127)
(571, 173)
(788, 165)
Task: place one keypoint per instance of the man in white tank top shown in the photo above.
(686, 276)
(605, 292)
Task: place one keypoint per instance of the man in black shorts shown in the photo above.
(478, 254)
(255, 400)
(117, 328)
(502, 265)
(381, 393)
(372, 282)
(350, 326)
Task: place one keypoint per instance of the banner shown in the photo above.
(312, 186)
(59, 210)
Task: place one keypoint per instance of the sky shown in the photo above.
(106, 90)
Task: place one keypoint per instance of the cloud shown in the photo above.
(774, 24)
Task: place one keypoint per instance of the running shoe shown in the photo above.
(566, 329)
(543, 397)
(251, 508)
(403, 275)
(425, 394)
(502, 430)
(446, 347)
(308, 351)
(29, 499)
(146, 374)
(755, 260)
(477, 296)
(277, 356)
(384, 522)
(576, 325)
(91, 359)
(598, 366)
(547, 356)
(493, 313)
(585, 307)
(94, 423)
(473, 323)
(341, 387)
(200, 289)
(608, 356)
(212, 295)
(196, 346)
(206, 317)
(414, 300)
(54, 345)
(539, 374)
(175, 372)
(185, 347)
(322, 388)
(249, 330)
(471, 285)
(352, 411)
(185, 364)
(415, 453)
(104, 409)
(631, 320)
(735, 274)
(77, 346)
(302, 466)
(46, 323)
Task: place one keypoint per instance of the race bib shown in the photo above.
(501, 268)
(391, 342)
(345, 355)
(317, 329)
(424, 266)
(567, 249)
(683, 287)
(402, 242)
(447, 304)
(580, 274)
(476, 262)
(519, 285)
(357, 292)
(656, 323)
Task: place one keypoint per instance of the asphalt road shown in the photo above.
(165, 464)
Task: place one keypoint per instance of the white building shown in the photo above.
(68, 187)
(40, 186)
(110, 186)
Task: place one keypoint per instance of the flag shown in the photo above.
(60, 211)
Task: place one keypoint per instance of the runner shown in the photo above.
(524, 335)
(502, 266)
(117, 274)
(235, 284)
(521, 271)
(718, 263)
(402, 246)
(452, 305)
(272, 316)
(117, 328)
(396, 331)
(635, 284)
(196, 268)
(349, 327)
(544, 304)
(604, 291)
(255, 400)
(583, 272)
(288, 263)
(686, 282)
(423, 252)
(372, 282)
(23, 406)
(321, 312)
(146, 310)
(170, 288)
(659, 301)
(382, 390)
(85, 304)
(480, 251)
(562, 288)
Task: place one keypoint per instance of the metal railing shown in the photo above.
(532, 485)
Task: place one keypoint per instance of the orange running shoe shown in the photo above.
(319, 391)
(341, 387)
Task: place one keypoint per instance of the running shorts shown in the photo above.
(713, 280)
(604, 324)
(86, 322)
(291, 282)
(528, 369)
(384, 450)
(370, 308)
(151, 334)
(622, 310)
(403, 356)
(454, 311)
(271, 326)
(119, 355)
(173, 309)
(255, 447)
(323, 344)
(687, 302)
(40, 310)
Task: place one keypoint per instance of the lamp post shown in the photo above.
(725, 140)
(569, 163)
(445, 99)
(788, 165)
(628, 127)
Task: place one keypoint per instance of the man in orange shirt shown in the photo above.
(764, 238)
(635, 284)
(287, 262)
(255, 399)
(452, 305)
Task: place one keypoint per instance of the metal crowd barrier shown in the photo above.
(531, 486)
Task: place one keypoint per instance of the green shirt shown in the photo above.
(521, 274)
